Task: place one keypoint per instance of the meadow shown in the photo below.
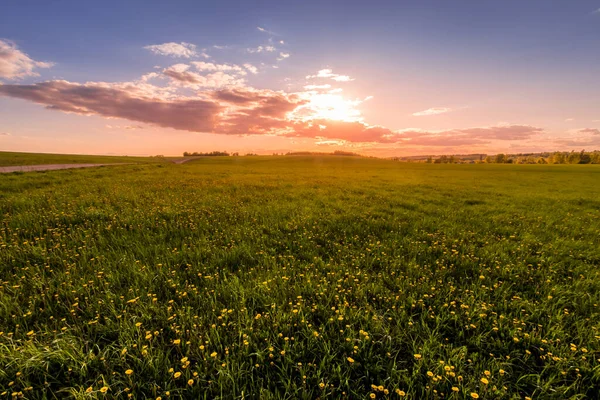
(301, 278)
(8, 158)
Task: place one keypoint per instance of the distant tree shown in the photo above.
(584, 158)
(573, 158)
(500, 158)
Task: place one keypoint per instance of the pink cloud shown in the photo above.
(14, 64)
(95, 99)
(239, 111)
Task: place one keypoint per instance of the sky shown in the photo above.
(380, 78)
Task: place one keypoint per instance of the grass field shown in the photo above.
(301, 277)
(13, 158)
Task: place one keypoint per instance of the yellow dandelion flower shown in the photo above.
(129, 372)
(429, 374)
(321, 385)
(104, 389)
(418, 356)
(176, 341)
(176, 374)
(88, 390)
(213, 354)
(474, 395)
(484, 381)
(372, 395)
(454, 389)
(400, 393)
(191, 382)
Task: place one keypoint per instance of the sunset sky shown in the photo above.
(381, 78)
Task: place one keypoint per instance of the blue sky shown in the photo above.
(486, 64)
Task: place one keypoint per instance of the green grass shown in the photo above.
(12, 158)
(301, 277)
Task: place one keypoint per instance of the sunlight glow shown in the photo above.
(329, 106)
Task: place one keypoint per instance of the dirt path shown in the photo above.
(49, 167)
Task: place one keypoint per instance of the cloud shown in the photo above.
(172, 49)
(590, 130)
(229, 111)
(204, 66)
(180, 75)
(569, 119)
(283, 56)
(4, 134)
(260, 28)
(349, 131)
(261, 49)
(596, 12)
(97, 99)
(14, 64)
(432, 111)
(126, 127)
(251, 68)
(328, 73)
(317, 87)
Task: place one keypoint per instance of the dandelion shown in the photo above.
(474, 395)
(350, 360)
(502, 372)
(176, 374)
(190, 382)
(321, 385)
(89, 390)
(213, 354)
(129, 372)
(418, 356)
(176, 341)
(372, 395)
(400, 393)
(454, 389)
(104, 389)
(484, 381)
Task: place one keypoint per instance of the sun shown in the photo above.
(329, 106)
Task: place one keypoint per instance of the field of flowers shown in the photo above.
(301, 278)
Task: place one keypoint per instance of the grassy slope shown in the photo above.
(11, 158)
(302, 277)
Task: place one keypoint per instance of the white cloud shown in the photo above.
(204, 66)
(283, 56)
(4, 134)
(251, 68)
(596, 12)
(260, 28)
(261, 49)
(328, 73)
(432, 111)
(317, 87)
(569, 119)
(14, 64)
(172, 49)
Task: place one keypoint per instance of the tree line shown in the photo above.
(557, 157)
